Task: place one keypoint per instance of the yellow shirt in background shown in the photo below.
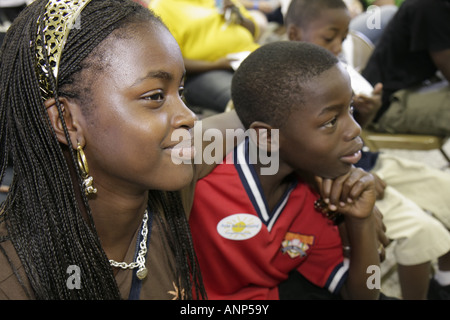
(200, 29)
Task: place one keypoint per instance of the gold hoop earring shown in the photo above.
(88, 181)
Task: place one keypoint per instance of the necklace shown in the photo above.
(140, 259)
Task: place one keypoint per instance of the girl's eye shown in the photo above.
(351, 109)
(157, 96)
(181, 92)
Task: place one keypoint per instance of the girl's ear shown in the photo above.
(72, 116)
(293, 32)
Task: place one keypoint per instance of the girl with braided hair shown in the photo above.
(91, 93)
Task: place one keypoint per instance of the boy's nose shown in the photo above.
(354, 129)
(336, 48)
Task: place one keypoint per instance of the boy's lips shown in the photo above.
(352, 158)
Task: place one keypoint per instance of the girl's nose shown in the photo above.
(183, 116)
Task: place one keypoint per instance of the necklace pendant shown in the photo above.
(142, 273)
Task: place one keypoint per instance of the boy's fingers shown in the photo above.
(349, 184)
(319, 181)
(349, 188)
(361, 185)
(344, 190)
(378, 88)
(326, 189)
(340, 189)
(356, 183)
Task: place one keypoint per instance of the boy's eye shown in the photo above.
(181, 92)
(331, 123)
(329, 38)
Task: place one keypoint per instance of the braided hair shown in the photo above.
(41, 213)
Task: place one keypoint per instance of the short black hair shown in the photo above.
(270, 81)
(302, 12)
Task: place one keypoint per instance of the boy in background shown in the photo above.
(419, 238)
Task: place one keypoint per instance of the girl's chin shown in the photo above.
(178, 179)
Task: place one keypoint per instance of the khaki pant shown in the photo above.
(424, 110)
(414, 187)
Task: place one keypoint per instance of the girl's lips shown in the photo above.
(352, 158)
(183, 150)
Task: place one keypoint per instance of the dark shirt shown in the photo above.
(402, 57)
(158, 285)
(2, 36)
(368, 160)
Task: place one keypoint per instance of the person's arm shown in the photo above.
(248, 24)
(363, 253)
(199, 66)
(242, 19)
(263, 6)
(353, 195)
(366, 107)
(442, 61)
(221, 133)
(203, 135)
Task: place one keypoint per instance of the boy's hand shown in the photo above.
(383, 240)
(380, 185)
(367, 107)
(352, 194)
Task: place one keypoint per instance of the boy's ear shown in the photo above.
(265, 136)
(72, 117)
(293, 32)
